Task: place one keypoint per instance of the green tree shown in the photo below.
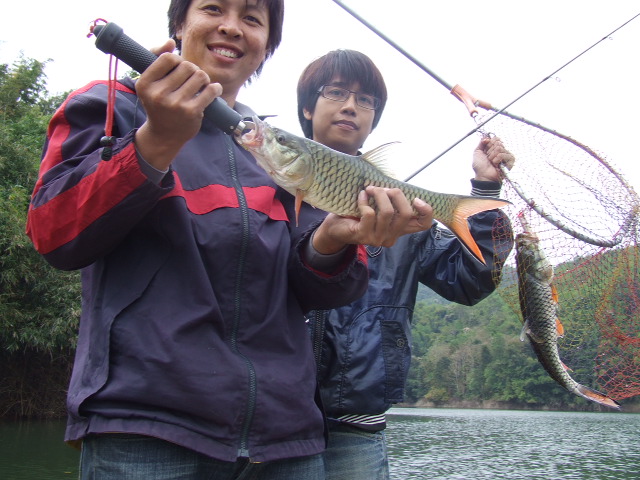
(39, 306)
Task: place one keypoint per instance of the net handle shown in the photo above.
(472, 104)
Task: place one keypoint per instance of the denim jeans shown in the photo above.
(137, 457)
(355, 454)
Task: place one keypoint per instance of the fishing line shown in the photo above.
(587, 219)
(445, 84)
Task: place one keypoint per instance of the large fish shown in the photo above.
(539, 306)
(331, 180)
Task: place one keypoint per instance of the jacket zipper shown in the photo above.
(243, 451)
(319, 317)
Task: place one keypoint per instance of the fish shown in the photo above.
(331, 180)
(539, 301)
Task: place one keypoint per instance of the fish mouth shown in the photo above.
(253, 135)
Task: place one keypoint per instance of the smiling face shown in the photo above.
(343, 126)
(227, 39)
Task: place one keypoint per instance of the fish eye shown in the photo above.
(281, 138)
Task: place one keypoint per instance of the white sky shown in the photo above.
(495, 49)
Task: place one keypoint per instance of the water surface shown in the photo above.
(433, 444)
(439, 444)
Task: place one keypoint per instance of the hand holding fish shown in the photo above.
(174, 93)
(390, 217)
(333, 181)
(487, 158)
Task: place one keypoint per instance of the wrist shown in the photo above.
(323, 243)
(155, 151)
(485, 188)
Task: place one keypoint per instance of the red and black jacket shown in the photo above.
(194, 291)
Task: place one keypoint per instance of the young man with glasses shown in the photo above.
(363, 349)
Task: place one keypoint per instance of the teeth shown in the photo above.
(226, 53)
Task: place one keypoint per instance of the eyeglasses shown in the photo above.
(339, 94)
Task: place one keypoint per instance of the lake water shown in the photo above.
(439, 444)
(433, 444)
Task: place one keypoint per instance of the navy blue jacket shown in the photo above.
(365, 347)
(194, 291)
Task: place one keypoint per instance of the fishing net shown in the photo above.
(586, 216)
(599, 301)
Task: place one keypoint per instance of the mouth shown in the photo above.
(346, 125)
(226, 52)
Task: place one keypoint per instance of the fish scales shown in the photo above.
(341, 177)
(539, 307)
(331, 180)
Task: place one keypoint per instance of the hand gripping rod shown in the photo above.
(111, 39)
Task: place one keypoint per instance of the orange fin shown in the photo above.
(597, 397)
(559, 328)
(470, 206)
(554, 293)
(299, 200)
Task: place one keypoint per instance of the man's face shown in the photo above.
(342, 126)
(227, 39)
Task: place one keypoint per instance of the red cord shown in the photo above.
(108, 140)
(111, 94)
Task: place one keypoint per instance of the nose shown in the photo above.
(350, 103)
(230, 28)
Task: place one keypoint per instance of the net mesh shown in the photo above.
(586, 216)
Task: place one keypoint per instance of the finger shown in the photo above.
(383, 206)
(374, 228)
(160, 68)
(168, 47)
(363, 204)
(506, 159)
(424, 219)
(401, 206)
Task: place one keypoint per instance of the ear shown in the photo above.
(179, 34)
(307, 114)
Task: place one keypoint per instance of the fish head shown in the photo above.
(530, 257)
(284, 156)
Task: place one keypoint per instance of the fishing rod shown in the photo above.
(111, 39)
(455, 89)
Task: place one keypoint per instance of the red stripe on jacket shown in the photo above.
(59, 129)
(85, 202)
(206, 199)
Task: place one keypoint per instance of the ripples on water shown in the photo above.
(424, 444)
(439, 444)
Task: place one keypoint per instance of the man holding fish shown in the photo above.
(193, 359)
(363, 349)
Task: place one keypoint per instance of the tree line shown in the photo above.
(39, 306)
(460, 353)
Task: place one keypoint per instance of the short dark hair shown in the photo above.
(177, 14)
(351, 66)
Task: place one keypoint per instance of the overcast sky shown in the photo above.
(495, 49)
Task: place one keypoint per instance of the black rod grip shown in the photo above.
(111, 39)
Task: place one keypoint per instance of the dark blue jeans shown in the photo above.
(353, 454)
(136, 457)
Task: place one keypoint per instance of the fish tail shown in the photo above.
(466, 207)
(597, 397)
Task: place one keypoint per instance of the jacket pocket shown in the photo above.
(397, 355)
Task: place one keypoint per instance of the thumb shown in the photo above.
(168, 47)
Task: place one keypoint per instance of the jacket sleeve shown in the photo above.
(315, 289)
(452, 272)
(83, 206)
(319, 290)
